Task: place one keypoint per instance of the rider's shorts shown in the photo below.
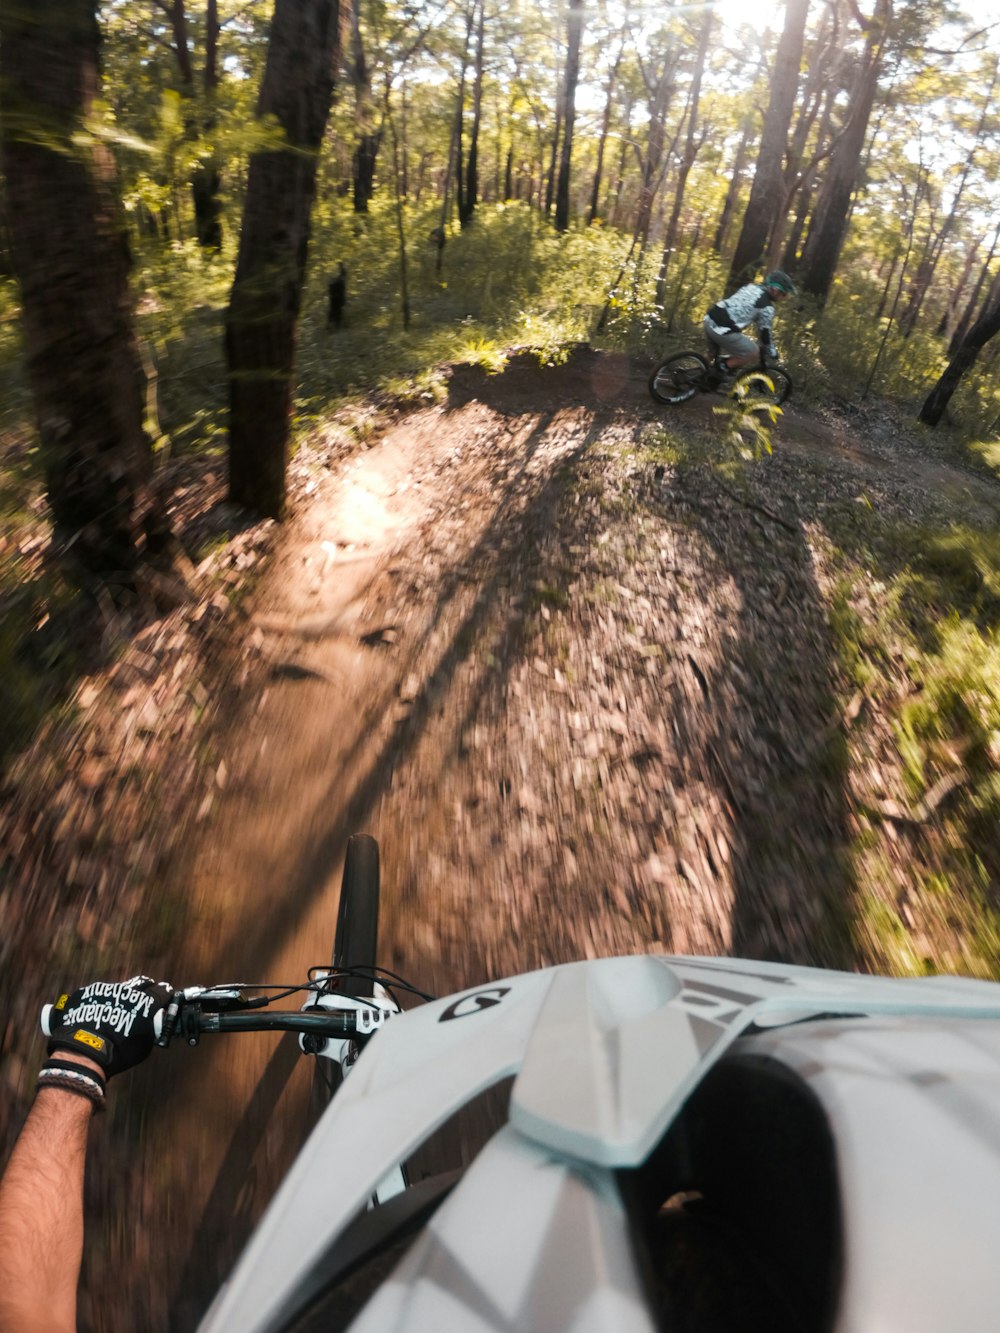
(731, 341)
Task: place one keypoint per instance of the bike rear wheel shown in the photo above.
(355, 945)
(760, 387)
(678, 378)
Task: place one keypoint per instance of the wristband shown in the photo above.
(68, 1076)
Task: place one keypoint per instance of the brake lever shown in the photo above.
(181, 1016)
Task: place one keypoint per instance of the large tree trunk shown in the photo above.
(264, 306)
(71, 256)
(767, 192)
(821, 252)
(574, 33)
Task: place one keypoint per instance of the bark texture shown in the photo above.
(71, 256)
(264, 305)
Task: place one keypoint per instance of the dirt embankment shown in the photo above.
(586, 697)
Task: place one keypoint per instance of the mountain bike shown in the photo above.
(743, 1123)
(680, 377)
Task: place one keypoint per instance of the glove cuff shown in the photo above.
(69, 1076)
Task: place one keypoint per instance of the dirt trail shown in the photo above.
(519, 658)
(586, 698)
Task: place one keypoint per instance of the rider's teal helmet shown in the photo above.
(780, 281)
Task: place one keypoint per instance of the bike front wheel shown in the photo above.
(762, 387)
(355, 944)
(678, 378)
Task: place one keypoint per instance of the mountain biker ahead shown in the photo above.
(751, 306)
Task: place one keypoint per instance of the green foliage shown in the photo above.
(955, 707)
(183, 293)
(747, 421)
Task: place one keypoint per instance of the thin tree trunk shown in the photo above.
(472, 165)
(368, 138)
(609, 92)
(691, 146)
(910, 234)
(928, 265)
(263, 313)
(733, 192)
(766, 193)
(947, 321)
(71, 256)
(550, 179)
(661, 93)
(985, 328)
(972, 305)
(616, 195)
(404, 284)
(460, 120)
(821, 252)
(206, 182)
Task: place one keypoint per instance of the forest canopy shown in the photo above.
(476, 173)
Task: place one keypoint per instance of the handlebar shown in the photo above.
(324, 1023)
(199, 1009)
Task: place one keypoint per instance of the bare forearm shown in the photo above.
(41, 1216)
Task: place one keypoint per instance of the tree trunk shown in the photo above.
(971, 306)
(472, 163)
(985, 328)
(368, 140)
(821, 252)
(207, 180)
(574, 34)
(404, 282)
(691, 146)
(550, 179)
(946, 324)
(263, 313)
(71, 256)
(767, 191)
(732, 193)
(609, 92)
(661, 92)
(928, 265)
(460, 121)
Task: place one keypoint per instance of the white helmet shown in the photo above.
(693, 1144)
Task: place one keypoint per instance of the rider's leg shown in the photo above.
(738, 349)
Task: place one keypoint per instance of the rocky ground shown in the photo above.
(581, 685)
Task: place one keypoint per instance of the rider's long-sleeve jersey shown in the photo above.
(749, 305)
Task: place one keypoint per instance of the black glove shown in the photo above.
(114, 1023)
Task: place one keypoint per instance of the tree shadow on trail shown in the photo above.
(523, 499)
(769, 723)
